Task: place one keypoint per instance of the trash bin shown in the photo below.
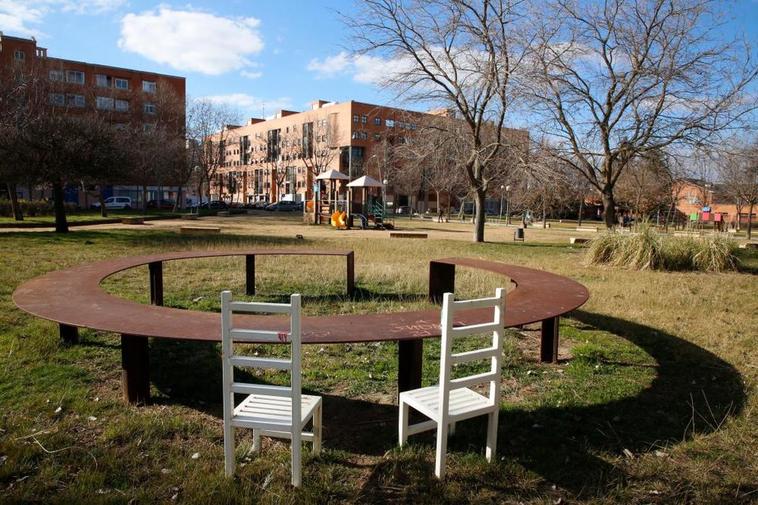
(518, 234)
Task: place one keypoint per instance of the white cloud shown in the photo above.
(252, 106)
(364, 68)
(250, 74)
(329, 66)
(20, 17)
(192, 41)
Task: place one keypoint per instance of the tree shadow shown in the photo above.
(693, 392)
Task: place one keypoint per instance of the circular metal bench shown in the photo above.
(74, 298)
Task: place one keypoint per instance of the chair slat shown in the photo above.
(461, 331)
(477, 303)
(250, 362)
(259, 307)
(261, 389)
(473, 380)
(259, 336)
(477, 354)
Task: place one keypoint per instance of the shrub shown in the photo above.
(647, 249)
(32, 208)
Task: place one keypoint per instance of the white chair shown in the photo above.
(451, 400)
(273, 411)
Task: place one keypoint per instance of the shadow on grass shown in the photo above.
(693, 392)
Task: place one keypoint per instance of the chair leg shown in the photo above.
(441, 457)
(491, 435)
(296, 458)
(317, 431)
(403, 424)
(228, 449)
(256, 441)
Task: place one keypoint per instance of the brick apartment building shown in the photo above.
(702, 203)
(269, 160)
(127, 96)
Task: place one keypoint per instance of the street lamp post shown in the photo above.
(502, 197)
(507, 206)
(384, 199)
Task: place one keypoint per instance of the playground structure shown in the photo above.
(338, 208)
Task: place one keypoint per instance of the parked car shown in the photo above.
(214, 204)
(115, 202)
(160, 204)
(284, 206)
(403, 210)
(262, 204)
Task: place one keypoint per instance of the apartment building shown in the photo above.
(127, 96)
(704, 203)
(279, 157)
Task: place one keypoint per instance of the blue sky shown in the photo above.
(259, 55)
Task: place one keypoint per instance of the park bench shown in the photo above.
(578, 240)
(591, 229)
(199, 230)
(74, 298)
(407, 234)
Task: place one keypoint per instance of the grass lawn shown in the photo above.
(653, 400)
(85, 216)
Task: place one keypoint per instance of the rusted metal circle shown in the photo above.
(74, 297)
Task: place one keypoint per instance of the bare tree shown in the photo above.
(452, 53)
(738, 172)
(646, 185)
(615, 79)
(207, 131)
(437, 158)
(318, 150)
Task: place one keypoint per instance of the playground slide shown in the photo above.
(338, 219)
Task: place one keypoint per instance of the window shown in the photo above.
(121, 83)
(378, 121)
(58, 99)
(377, 137)
(104, 103)
(149, 86)
(75, 76)
(75, 100)
(148, 127)
(389, 123)
(364, 119)
(149, 108)
(122, 105)
(364, 135)
(19, 55)
(57, 75)
(355, 118)
(101, 81)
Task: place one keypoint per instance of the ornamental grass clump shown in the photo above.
(647, 249)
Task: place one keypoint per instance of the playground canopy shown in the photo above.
(332, 175)
(365, 182)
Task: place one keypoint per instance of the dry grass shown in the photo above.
(647, 249)
(660, 364)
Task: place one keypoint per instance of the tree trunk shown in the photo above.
(750, 221)
(61, 224)
(609, 208)
(179, 199)
(544, 214)
(15, 208)
(479, 216)
(101, 199)
(581, 211)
